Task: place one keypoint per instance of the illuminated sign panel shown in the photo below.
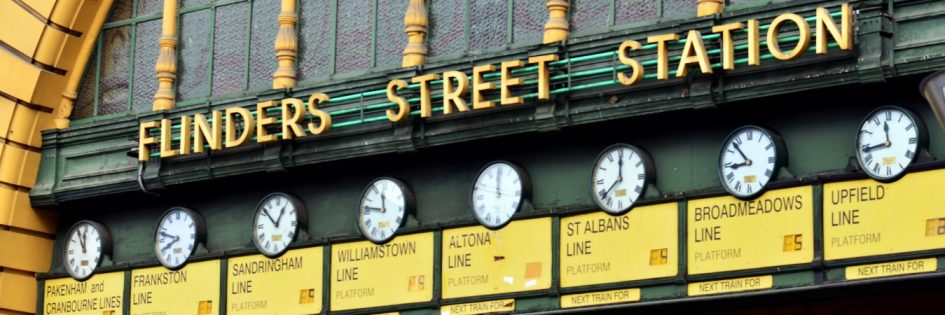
(728, 234)
(478, 261)
(598, 248)
(364, 274)
(194, 289)
(867, 218)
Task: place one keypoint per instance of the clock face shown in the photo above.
(276, 223)
(176, 238)
(888, 142)
(498, 193)
(750, 158)
(86, 243)
(384, 207)
(620, 177)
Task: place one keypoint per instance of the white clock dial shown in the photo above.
(888, 142)
(620, 177)
(750, 158)
(498, 193)
(176, 237)
(384, 206)
(86, 243)
(276, 223)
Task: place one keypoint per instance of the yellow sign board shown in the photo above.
(894, 268)
(100, 295)
(600, 298)
(726, 234)
(484, 307)
(478, 261)
(194, 289)
(364, 274)
(867, 218)
(599, 248)
(731, 285)
(290, 284)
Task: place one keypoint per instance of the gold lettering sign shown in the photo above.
(290, 284)
(888, 269)
(364, 274)
(731, 285)
(458, 94)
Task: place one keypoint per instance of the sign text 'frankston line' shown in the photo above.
(300, 119)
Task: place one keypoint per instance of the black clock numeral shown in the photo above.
(768, 173)
(619, 204)
(295, 223)
(495, 220)
(178, 215)
(365, 211)
(639, 163)
(610, 202)
(291, 235)
(876, 168)
(488, 217)
(599, 182)
(730, 177)
(610, 158)
(727, 164)
(603, 193)
(398, 220)
(738, 140)
(910, 126)
(480, 197)
(193, 236)
(738, 185)
(889, 116)
(191, 225)
(518, 193)
(259, 227)
(769, 146)
(771, 159)
(641, 176)
(261, 236)
(868, 159)
(909, 154)
(638, 189)
(751, 135)
(888, 171)
(913, 140)
(875, 120)
(368, 222)
(748, 187)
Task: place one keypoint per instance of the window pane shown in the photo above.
(679, 8)
(529, 21)
(148, 7)
(391, 39)
(314, 39)
(146, 53)
(590, 15)
(115, 68)
(632, 11)
(229, 49)
(262, 51)
(121, 11)
(85, 101)
(489, 26)
(194, 49)
(193, 3)
(446, 27)
(354, 35)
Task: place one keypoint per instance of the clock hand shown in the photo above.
(604, 193)
(747, 160)
(82, 240)
(886, 130)
(498, 180)
(176, 238)
(281, 212)
(383, 204)
(167, 235)
(372, 208)
(736, 165)
(266, 212)
(867, 149)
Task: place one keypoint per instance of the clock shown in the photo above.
(276, 223)
(86, 243)
(750, 158)
(385, 204)
(620, 176)
(888, 142)
(177, 235)
(498, 193)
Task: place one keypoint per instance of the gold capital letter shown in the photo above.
(144, 140)
(728, 44)
(403, 107)
(166, 141)
(292, 109)
(262, 135)
(544, 81)
(203, 132)
(426, 108)
(843, 36)
(248, 125)
(623, 56)
(313, 110)
(662, 56)
(505, 93)
(185, 128)
(453, 96)
(479, 86)
(754, 43)
(803, 41)
(695, 46)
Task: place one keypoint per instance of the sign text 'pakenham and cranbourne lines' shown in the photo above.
(103, 293)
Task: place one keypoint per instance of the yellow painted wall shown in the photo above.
(40, 56)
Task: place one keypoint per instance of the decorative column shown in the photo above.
(287, 46)
(557, 28)
(64, 110)
(415, 22)
(166, 66)
(709, 7)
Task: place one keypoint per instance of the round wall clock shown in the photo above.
(177, 236)
(889, 141)
(750, 158)
(498, 193)
(385, 203)
(620, 176)
(276, 223)
(86, 243)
